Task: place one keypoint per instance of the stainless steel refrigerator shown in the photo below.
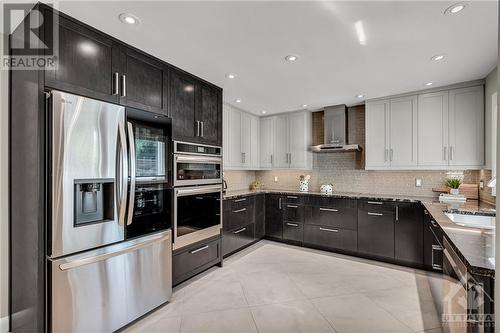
(98, 280)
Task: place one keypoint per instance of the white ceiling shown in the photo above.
(251, 39)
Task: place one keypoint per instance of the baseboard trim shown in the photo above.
(4, 324)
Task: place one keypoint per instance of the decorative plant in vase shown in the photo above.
(453, 184)
(256, 185)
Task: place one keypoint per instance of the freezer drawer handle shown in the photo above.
(198, 250)
(329, 230)
(328, 210)
(91, 260)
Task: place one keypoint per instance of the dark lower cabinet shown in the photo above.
(330, 238)
(193, 259)
(337, 213)
(234, 240)
(433, 244)
(408, 233)
(274, 216)
(260, 216)
(293, 231)
(293, 212)
(376, 233)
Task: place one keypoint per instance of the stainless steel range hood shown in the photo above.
(335, 132)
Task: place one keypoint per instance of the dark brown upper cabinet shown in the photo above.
(182, 99)
(86, 62)
(143, 81)
(209, 115)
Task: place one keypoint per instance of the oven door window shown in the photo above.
(197, 212)
(198, 171)
(150, 151)
(152, 210)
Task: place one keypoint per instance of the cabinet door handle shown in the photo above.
(240, 200)
(116, 83)
(124, 86)
(200, 249)
(239, 210)
(392, 153)
(375, 214)
(292, 206)
(292, 197)
(238, 231)
(386, 153)
(451, 153)
(202, 130)
(271, 159)
(375, 202)
(329, 230)
(292, 224)
(197, 128)
(397, 213)
(279, 203)
(444, 153)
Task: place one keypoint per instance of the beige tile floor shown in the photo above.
(276, 288)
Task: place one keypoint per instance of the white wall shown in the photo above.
(4, 286)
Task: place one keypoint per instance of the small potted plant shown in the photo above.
(256, 185)
(453, 184)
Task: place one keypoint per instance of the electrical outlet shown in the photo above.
(418, 182)
(481, 185)
(275, 179)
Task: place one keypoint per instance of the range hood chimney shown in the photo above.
(335, 132)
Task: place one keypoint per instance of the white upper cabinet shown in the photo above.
(437, 130)
(267, 142)
(241, 139)
(281, 141)
(391, 127)
(403, 132)
(300, 140)
(377, 134)
(466, 127)
(433, 129)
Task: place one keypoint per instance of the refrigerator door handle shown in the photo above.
(122, 174)
(70, 264)
(131, 199)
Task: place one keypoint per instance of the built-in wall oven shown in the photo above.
(196, 164)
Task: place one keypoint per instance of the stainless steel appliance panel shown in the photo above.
(88, 144)
(103, 290)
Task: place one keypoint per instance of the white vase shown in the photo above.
(303, 186)
(454, 191)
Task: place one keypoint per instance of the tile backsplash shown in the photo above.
(339, 169)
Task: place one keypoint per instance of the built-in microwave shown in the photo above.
(196, 164)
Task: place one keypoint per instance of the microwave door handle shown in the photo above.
(121, 174)
(131, 200)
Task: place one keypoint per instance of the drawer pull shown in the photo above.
(292, 224)
(200, 249)
(240, 200)
(329, 230)
(238, 231)
(434, 224)
(375, 202)
(292, 197)
(239, 210)
(328, 210)
(292, 206)
(375, 214)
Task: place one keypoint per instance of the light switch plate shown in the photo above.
(418, 182)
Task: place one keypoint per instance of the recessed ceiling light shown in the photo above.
(129, 18)
(292, 58)
(264, 111)
(360, 96)
(304, 105)
(360, 31)
(429, 84)
(230, 76)
(438, 57)
(237, 100)
(456, 8)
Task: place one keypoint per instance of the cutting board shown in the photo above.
(470, 191)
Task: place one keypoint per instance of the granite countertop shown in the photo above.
(475, 245)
